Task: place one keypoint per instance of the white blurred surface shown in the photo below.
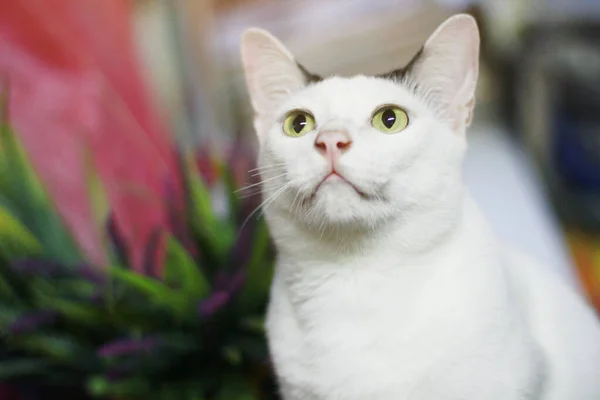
(504, 182)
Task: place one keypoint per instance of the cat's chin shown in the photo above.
(338, 203)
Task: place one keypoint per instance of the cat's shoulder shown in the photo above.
(550, 300)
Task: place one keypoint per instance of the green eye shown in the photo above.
(298, 123)
(390, 119)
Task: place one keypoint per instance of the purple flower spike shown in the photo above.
(231, 283)
(242, 248)
(213, 303)
(37, 267)
(151, 251)
(32, 321)
(236, 282)
(128, 346)
(92, 274)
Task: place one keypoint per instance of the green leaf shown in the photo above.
(15, 239)
(253, 348)
(237, 389)
(98, 199)
(253, 324)
(7, 316)
(74, 311)
(156, 291)
(78, 288)
(218, 234)
(193, 394)
(6, 291)
(22, 367)
(55, 347)
(150, 286)
(181, 391)
(24, 195)
(12, 287)
(167, 393)
(178, 343)
(233, 355)
(259, 274)
(232, 188)
(99, 386)
(130, 387)
(181, 271)
(62, 287)
(13, 159)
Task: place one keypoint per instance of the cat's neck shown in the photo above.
(421, 234)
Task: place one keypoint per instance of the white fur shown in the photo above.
(402, 292)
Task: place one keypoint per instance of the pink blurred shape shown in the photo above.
(74, 83)
(8, 393)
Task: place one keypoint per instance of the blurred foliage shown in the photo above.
(121, 276)
(111, 332)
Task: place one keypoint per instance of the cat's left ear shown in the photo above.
(447, 69)
(271, 72)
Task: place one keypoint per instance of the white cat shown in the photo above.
(389, 283)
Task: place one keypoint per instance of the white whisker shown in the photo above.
(295, 207)
(259, 183)
(274, 169)
(265, 167)
(269, 199)
(248, 195)
(273, 198)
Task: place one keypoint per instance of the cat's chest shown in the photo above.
(330, 339)
(353, 298)
(390, 327)
(342, 328)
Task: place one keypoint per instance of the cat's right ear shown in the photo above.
(447, 69)
(271, 72)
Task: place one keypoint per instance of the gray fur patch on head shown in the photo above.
(309, 76)
(400, 74)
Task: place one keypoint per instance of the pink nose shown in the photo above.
(333, 143)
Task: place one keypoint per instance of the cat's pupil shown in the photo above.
(299, 123)
(388, 118)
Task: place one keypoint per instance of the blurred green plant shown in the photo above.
(196, 332)
(118, 277)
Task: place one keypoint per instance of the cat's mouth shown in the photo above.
(334, 176)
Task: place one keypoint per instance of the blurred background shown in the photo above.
(534, 158)
(128, 86)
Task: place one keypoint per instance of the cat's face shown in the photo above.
(353, 152)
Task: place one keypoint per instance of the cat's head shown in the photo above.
(355, 152)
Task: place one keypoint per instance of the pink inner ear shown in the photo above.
(470, 107)
(458, 121)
